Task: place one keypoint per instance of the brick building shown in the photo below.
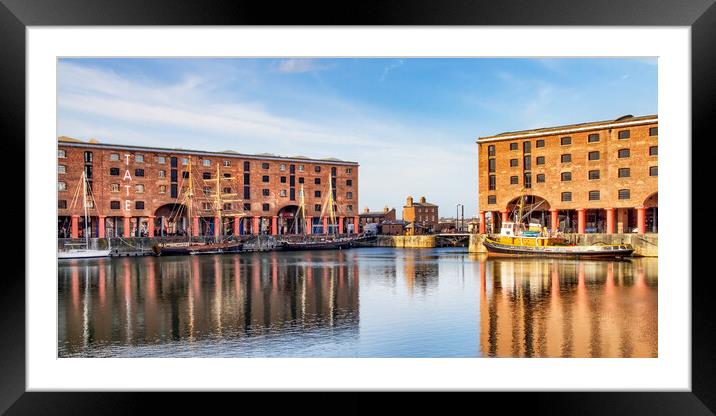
(376, 217)
(592, 177)
(139, 191)
(421, 213)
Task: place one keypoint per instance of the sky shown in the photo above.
(411, 123)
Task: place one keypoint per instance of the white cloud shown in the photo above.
(395, 64)
(298, 65)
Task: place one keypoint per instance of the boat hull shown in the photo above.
(82, 254)
(606, 251)
(198, 249)
(320, 245)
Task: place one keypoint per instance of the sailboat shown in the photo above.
(86, 252)
(218, 245)
(520, 239)
(330, 242)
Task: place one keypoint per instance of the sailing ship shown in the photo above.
(219, 244)
(331, 241)
(520, 239)
(83, 252)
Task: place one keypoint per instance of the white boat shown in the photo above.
(86, 252)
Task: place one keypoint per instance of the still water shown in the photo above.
(366, 302)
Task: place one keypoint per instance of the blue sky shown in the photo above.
(411, 123)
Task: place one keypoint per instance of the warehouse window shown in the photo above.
(514, 163)
(88, 157)
(491, 165)
(594, 195)
(566, 196)
(114, 187)
(300, 169)
(185, 161)
(62, 204)
(264, 166)
(540, 143)
(114, 156)
(162, 189)
(526, 147)
(349, 170)
(61, 186)
(592, 138)
(624, 134)
(491, 199)
(566, 176)
(623, 153)
(317, 207)
(593, 174)
(349, 182)
(317, 169)
(161, 160)
(540, 160)
(185, 175)
(317, 194)
(624, 194)
(490, 150)
(247, 165)
(527, 163)
(301, 180)
(265, 178)
(623, 173)
(162, 173)
(540, 178)
(528, 180)
(282, 192)
(61, 153)
(492, 182)
(653, 151)
(114, 171)
(265, 207)
(61, 169)
(206, 162)
(513, 146)
(283, 179)
(514, 180)
(282, 167)
(247, 207)
(227, 190)
(593, 155)
(564, 141)
(139, 188)
(227, 163)
(653, 131)
(114, 204)
(265, 192)
(566, 158)
(139, 205)
(349, 195)
(138, 172)
(653, 171)
(317, 181)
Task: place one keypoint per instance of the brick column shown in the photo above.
(237, 221)
(127, 227)
(274, 225)
(309, 225)
(75, 227)
(325, 225)
(340, 225)
(505, 215)
(100, 226)
(483, 219)
(554, 219)
(256, 228)
(150, 226)
(581, 220)
(610, 220)
(217, 226)
(195, 231)
(356, 224)
(641, 219)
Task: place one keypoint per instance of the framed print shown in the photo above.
(442, 202)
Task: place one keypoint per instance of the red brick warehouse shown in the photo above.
(139, 191)
(592, 177)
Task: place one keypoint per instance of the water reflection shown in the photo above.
(537, 308)
(413, 303)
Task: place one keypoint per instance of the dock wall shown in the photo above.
(645, 245)
(401, 241)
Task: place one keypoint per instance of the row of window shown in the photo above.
(139, 158)
(567, 140)
(567, 158)
(567, 196)
(565, 177)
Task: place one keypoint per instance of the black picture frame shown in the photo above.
(16, 15)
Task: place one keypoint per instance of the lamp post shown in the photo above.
(457, 215)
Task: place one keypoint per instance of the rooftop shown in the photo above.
(621, 121)
(72, 142)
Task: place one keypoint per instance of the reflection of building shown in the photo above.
(192, 298)
(422, 214)
(140, 190)
(590, 177)
(420, 273)
(567, 309)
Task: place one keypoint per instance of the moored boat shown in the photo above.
(553, 247)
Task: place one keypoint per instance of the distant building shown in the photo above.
(376, 217)
(393, 227)
(421, 213)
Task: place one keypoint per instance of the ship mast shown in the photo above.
(190, 197)
(219, 201)
(84, 206)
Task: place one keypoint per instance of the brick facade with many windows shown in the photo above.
(139, 191)
(590, 177)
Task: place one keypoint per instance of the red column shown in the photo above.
(237, 221)
(340, 225)
(217, 226)
(127, 227)
(581, 220)
(641, 219)
(195, 226)
(150, 226)
(610, 220)
(256, 229)
(356, 225)
(554, 219)
(100, 226)
(274, 225)
(505, 214)
(325, 225)
(309, 225)
(75, 230)
(482, 222)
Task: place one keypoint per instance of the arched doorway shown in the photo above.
(288, 220)
(170, 219)
(535, 209)
(651, 203)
